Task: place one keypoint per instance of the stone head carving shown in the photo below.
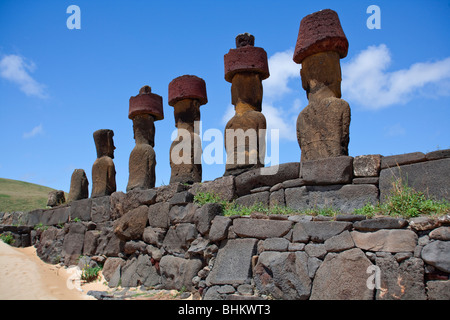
(104, 143)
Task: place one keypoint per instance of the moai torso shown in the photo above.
(323, 125)
(78, 185)
(186, 94)
(145, 108)
(103, 169)
(245, 67)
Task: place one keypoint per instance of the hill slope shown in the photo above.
(22, 196)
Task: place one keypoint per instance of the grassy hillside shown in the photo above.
(22, 196)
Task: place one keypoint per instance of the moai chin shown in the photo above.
(144, 110)
(245, 67)
(323, 125)
(78, 185)
(103, 169)
(186, 94)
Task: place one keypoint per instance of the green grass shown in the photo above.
(22, 196)
(402, 202)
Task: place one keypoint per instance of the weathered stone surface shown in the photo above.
(423, 223)
(205, 215)
(158, 215)
(340, 242)
(110, 266)
(395, 240)
(180, 213)
(253, 199)
(299, 182)
(319, 231)
(139, 271)
(58, 215)
(146, 102)
(177, 273)
(261, 228)
(441, 233)
(233, 262)
(438, 154)
(315, 250)
(78, 186)
(223, 187)
(181, 198)
(437, 254)
(103, 169)
(50, 245)
(80, 209)
(345, 198)
(273, 244)
(276, 199)
(132, 224)
(55, 198)
(154, 236)
(438, 290)
(342, 277)
(402, 281)
(73, 243)
(108, 244)
(429, 177)
(366, 180)
(219, 228)
(179, 237)
(380, 223)
(367, 165)
(336, 170)
(299, 233)
(100, 209)
(266, 177)
(319, 32)
(283, 275)
(401, 159)
(165, 193)
(90, 242)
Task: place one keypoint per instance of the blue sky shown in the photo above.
(57, 86)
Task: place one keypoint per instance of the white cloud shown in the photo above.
(282, 69)
(367, 81)
(35, 131)
(16, 69)
(284, 122)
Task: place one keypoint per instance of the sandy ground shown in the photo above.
(23, 276)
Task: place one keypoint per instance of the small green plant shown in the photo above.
(406, 202)
(90, 274)
(40, 227)
(7, 238)
(76, 219)
(202, 198)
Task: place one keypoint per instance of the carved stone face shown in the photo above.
(322, 69)
(104, 143)
(144, 129)
(247, 87)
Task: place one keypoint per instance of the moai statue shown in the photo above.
(78, 185)
(55, 198)
(186, 94)
(323, 125)
(103, 170)
(144, 110)
(245, 67)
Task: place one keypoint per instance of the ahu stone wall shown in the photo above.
(160, 238)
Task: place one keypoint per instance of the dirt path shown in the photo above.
(23, 276)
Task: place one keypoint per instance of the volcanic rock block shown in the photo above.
(367, 165)
(342, 276)
(132, 224)
(55, 198)
(283, 275)
(430, 177)
(337, 170)
(245, 67)
(394, 240)
(233, 262)
(186, 94)
(103, 169)
(177, 273)
(144, 110)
